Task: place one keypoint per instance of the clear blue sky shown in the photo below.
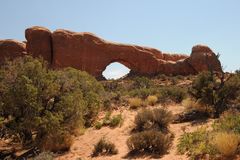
(170, 25)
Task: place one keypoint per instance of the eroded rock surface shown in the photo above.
(39, 42)
(10, 49)
(86, 51)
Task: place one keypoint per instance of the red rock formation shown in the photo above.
(202, 57)
(10, 49)
(87, 52)
(39, 42)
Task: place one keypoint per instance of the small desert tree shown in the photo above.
(36, 100)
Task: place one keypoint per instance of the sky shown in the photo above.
(168, 25)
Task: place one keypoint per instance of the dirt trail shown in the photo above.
(83, 145)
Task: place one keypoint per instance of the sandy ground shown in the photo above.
(84, 144)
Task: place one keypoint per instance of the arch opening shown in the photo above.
(115, 70)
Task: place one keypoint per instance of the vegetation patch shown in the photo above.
(226, 143)
(135, 103)
(152, 100)
(113, 121)
(38, 103)
(223, 140)
(155, 119)
(196, 144)
(104, 147)
(149, 142)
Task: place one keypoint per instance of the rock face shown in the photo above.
(10, 49)
(202, 57)
(87, 52)
(39, 42)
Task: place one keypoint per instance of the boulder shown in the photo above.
(10, 49)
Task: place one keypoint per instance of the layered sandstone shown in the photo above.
(87, 52)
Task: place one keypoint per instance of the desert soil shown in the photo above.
(84, 144)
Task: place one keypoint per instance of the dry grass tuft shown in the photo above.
(56, 143)
(190, 104)
(135, 102)
(226, 143)
(152, 100)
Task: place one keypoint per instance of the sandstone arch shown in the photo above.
(86, 51)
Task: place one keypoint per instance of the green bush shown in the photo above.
(215, 93)
(104, 147)
(228, 122)
(40, 101)
(157, 119)
(150, 142)
(223, 139)
(116, 120)
(107, 119)
(143, 93)
(98, 125)
(173, 93)
(142, 82)
(195, 144)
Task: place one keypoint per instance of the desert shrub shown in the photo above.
(191, 104)
(174, 80)
(223, 139)
(143, 93)
(177, 94)
(107, 119)
(149, 141)
(173, 93)
(107, 104)
(44, 156)
(110, 121)
(226, 143)
(195, 144)
(162, 77)
(157, 119)
(141, 82)
(237, 71)
(179, 77)
(152, 100)
(215, 93)
(111, 86)
(228, 122)
(116, 120)
(56, 142)
(135, 102)
(98, 125)
(35, 99)
(104, 147)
